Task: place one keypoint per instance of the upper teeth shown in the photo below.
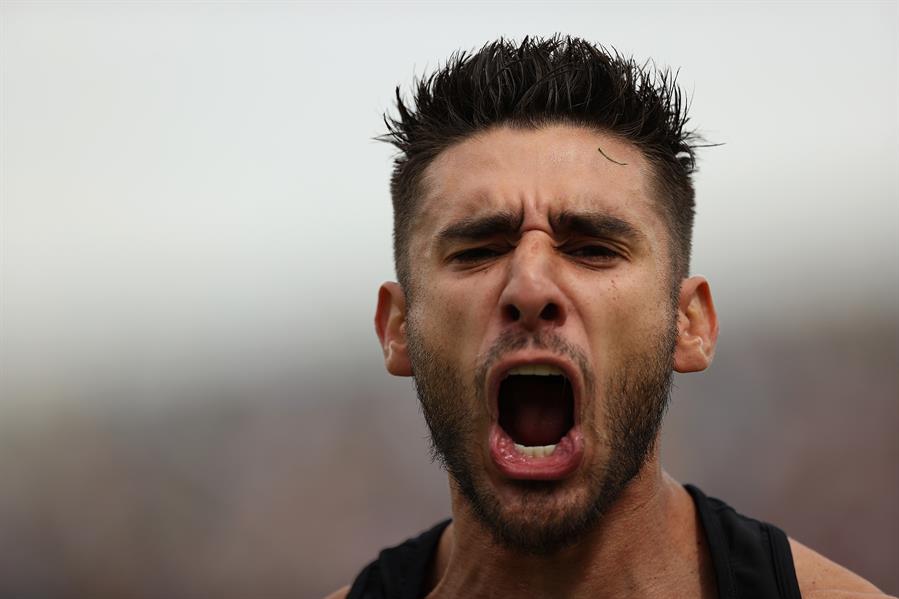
(537, 369)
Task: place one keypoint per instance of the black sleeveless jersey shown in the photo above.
(752, 559)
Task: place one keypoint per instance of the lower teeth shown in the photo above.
(538, 451)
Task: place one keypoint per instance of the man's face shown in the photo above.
(541, 325)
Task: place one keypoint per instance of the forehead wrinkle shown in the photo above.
(595, 223)
(445, 197)
(503, 222)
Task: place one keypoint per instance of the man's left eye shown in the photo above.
(597, 253)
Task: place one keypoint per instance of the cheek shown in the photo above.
(624, 316)
(450, 316)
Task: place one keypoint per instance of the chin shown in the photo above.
(535, 517)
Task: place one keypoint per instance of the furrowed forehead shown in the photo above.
(502, 168)
(541, 173)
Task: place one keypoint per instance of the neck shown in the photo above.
(648, 544)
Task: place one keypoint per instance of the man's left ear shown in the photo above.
(697, 326)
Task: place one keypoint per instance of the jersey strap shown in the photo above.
(752, 559)
(399, 572)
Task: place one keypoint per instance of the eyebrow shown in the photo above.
(594, 224)
(565, 223)
(483, 227)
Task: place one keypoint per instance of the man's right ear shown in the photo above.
(390, 324)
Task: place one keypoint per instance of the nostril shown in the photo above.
(513, 313)
(549, 312)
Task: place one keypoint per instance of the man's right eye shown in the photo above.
(475, 255)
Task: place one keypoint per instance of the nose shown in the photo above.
(531, 298)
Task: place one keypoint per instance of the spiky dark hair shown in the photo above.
(538, 82)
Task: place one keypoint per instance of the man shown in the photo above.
(543, 211)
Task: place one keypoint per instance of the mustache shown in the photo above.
(515, 340)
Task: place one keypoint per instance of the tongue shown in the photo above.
(535, 410)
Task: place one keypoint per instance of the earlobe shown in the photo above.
(697, 326)
(390, 325)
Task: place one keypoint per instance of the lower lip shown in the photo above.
(563, 461)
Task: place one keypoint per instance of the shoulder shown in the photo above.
(340, 593)
(820, 578)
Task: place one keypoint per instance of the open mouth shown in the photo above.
(534, 436)
(536, 408)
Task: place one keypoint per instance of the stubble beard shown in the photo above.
(545, 516)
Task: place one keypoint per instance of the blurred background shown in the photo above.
(195, 221)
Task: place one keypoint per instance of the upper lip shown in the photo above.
(499, 370)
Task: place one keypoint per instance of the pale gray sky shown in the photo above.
(193, 188)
